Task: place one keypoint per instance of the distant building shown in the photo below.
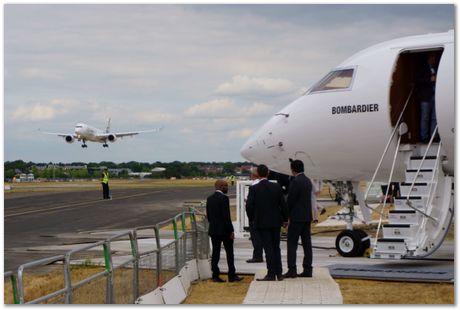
(24, 177)
(211, 169)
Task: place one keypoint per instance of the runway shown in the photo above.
(37, 219)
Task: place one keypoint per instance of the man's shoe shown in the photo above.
(290, 274)
(267, 278)
(253, 260)
(306, 274)
(279, 277)
(235, 279)
(218, 280)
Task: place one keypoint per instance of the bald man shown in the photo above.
(221, 230)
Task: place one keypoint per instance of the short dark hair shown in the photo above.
(297, 166)
(262, 171)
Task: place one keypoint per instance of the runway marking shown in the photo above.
(78, 204)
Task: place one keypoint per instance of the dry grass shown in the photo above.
(95, 185)
(384, 292)
(208, 292)
(91, 293)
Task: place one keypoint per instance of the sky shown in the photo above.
(211, 74)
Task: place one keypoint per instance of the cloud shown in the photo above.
(40, 111)
(244, 85)
(39, 73)
(213, 108)
(157, 117)
(238, 134)
(226, 108)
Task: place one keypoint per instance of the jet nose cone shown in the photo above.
(247, 151)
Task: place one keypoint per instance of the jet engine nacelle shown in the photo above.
(112, 137)
(69, 139)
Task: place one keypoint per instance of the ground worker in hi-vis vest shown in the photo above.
(105, 184)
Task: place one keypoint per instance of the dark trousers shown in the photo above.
(302, 230)
(271, 244)
(216, 241)
(105, 191)
(258, 252)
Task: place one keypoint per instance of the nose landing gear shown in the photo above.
(350, 242)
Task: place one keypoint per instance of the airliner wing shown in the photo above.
(133, 133)
(59, 134)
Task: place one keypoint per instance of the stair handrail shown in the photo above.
(408, 202)
(395, 156)
(386, 150)
(435, 174)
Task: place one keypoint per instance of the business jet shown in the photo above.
(361, 123)
(84, 132)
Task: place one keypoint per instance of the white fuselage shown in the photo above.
(88, 133)
(340, 134)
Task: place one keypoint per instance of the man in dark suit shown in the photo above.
(221, 230)
(300, 217)
(267, 205)
(257, 253)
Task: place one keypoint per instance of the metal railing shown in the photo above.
(153, 255)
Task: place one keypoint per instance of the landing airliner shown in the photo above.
(362, 122)
(84, 132)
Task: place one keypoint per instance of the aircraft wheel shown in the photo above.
(348, 243)
(365, 241)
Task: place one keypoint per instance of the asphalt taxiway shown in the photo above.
(38, 219)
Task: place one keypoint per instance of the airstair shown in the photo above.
(420, 218)
(422, 214)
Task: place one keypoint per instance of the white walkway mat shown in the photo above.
(320, 289)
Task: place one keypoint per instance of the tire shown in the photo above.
(348, 243)
(365, 241)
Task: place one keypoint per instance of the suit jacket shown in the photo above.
(299, 199)
(218, 214)
(266, 205)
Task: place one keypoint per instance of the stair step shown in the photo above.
(425, 175)
(403, 217)
(405, 231)
(385, 255)
(419, 189)
(428, 163)
(391, 246)
(418, 202)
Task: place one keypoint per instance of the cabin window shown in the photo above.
(334, 80)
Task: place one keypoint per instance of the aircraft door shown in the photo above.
(445, 105)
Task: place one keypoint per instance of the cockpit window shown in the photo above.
(334, 80)
(79, 126)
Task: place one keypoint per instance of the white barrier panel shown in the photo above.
(242, 190)
(204, 269)
(184, 278)
(173, 292)
(192, 270)
(153, 298)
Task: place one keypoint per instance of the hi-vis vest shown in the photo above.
(105, 177)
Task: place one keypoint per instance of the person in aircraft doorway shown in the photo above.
(425, 85)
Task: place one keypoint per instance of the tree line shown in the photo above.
(175, 169)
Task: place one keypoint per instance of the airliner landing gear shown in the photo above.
(350, 243)
(84, 144)
(105, 145)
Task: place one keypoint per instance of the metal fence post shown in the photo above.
(21, 284)
(109, 269)
(67, 279)
(157, 237)
(176, 244)
(14, 285)
(135, 254)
